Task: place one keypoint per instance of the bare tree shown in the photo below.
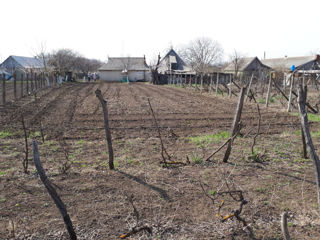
(64, 60)
(42, 55)
(202, 53)
(237, 60)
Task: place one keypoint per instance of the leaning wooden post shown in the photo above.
(106, 126)
(15, 86)
(235, 124)
(268, 92)
(305, 127)
(248, 90)
(52, 192)
(290, 93)
(217, 83)
(27, 83)
(3, 89)
(230, 86)
(21, 86)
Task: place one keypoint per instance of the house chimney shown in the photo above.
(264, 55)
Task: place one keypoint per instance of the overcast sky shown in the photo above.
(102, 28)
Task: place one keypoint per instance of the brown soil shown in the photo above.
(169, 200)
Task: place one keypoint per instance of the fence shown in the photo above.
(23, 85)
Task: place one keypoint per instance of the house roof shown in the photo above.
(286, 63)
(125, 63)
(28, 62)
(243, 64)
(173, 57)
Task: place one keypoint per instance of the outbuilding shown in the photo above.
(119, 69)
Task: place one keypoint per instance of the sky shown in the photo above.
(119, 28)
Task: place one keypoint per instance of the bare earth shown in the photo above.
(169, 200)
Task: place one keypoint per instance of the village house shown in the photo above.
(21, 65)
(172, 63)
(305, 63)
(119, 69)
(247, 67)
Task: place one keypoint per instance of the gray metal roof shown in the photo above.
(286, 63)
(28, 62)
(125, 63)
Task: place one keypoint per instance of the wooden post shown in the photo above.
(52, 192)
(28, 83)
(21, 86)
(284, 82)
(305, 127)
(230, 86)
(268, 92)
(284, 226)
(106, 126)
(15, 86)
(217, 83)
(3, 89)
(248, 91)
(235, 124)
(201, 82)
(210, 89)
(290, 93)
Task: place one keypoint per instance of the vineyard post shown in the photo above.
(106, 126)
(268, 92)
(21, 88)
(230, 86)
(3, 89)
(217, 83)
(248, 90)
(14, 86)
(305, 127)
(28, 83)
(290, 93)
(235, 124)
(210, 89)
(52, 192)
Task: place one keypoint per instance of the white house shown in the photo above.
(120, 68)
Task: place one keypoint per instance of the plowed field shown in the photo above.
(169, 200)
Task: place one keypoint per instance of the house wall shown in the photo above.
(111, 76)
(116, 76)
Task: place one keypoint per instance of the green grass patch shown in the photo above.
(207, 139)
(5, 134)
(311, 117)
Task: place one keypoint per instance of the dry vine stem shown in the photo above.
(258, 131)
(55, 197)
(163, 149)
(25, 161)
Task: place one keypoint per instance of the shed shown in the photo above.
(247, 66)
(19, 64)
(118, 68)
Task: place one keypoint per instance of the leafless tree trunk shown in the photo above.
(305, 127)
(106, 126)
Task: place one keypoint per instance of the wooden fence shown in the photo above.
(24, 85)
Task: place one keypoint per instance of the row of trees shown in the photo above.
(67, 60)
